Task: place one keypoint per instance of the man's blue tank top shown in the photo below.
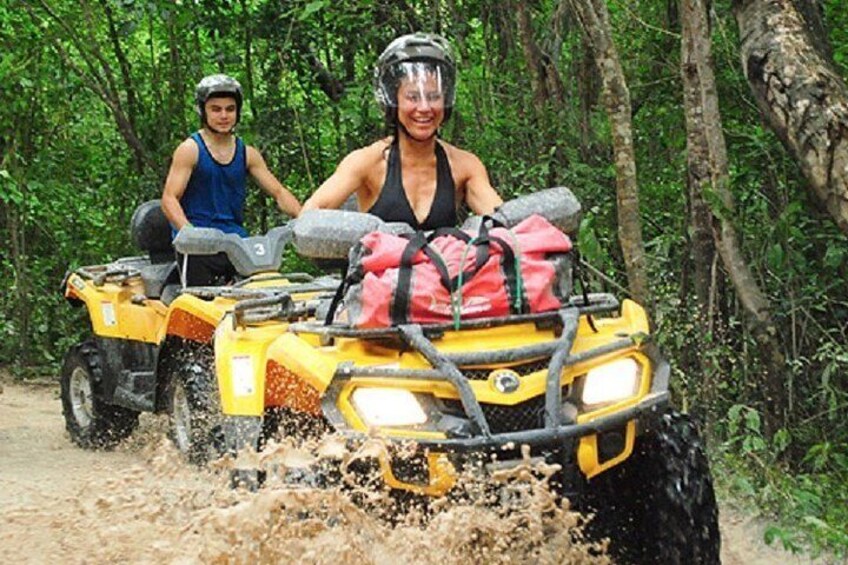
(215, 193)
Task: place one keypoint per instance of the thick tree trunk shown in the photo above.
(594, 20)
(708, 172)
(812, 12)
(803, 100)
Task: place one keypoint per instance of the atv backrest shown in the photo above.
(558, 205)
(151, 232)
(329, 234)
(249, 255)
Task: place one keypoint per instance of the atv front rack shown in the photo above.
(477, 434)
(117, 272)
(260, 304)
(596, 303)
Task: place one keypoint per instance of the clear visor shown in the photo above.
(418, 82)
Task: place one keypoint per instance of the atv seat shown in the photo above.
(151, 232)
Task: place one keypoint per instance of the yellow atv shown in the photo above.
(152, 343)
(582, 387)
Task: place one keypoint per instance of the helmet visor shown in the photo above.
(417, 82)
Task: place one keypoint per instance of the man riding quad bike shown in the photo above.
(581, 386)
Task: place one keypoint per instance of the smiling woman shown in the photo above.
(421, 101)
(412, 176)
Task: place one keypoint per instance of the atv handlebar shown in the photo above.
(330, 234)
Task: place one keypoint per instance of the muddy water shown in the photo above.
(141, 503)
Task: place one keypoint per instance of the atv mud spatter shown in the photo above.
(582, 387)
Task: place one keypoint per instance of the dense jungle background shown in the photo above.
(96, 94)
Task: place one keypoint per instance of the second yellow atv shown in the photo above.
(582, 387)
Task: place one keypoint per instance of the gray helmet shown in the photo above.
(412, 53)
(213, 86)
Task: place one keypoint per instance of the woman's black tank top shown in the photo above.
(392, 205)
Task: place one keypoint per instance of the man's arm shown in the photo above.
(480, 196)
(348, 178)
(182, 164)
(258, 169)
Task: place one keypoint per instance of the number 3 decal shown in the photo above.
(259, 249)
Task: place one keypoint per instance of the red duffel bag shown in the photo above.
(452, 275)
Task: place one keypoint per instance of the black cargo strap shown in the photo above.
(510, 266)
(481, 242)
(400, 304)
(578, 274)
(347, 280)
(420, 242)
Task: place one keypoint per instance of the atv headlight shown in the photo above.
(388, 407)
(611, 382)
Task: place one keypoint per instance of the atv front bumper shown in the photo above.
(589, 443)
(645, 411)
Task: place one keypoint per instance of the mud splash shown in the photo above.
(142, 503)
(510, 517)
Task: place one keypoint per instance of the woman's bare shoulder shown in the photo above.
(368, 156)
(461, 158)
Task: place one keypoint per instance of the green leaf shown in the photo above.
(311, 8)
(817, 522)
(781, 440)
(834, 256)
(774, 257)
(773, 533)
(590, 247)
(752, 420)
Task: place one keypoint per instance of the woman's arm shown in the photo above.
(348, 178)
(480, 196)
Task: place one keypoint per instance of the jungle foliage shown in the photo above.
(96, 94)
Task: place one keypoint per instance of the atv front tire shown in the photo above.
(194, 406)
(659, 506)
(91, 422)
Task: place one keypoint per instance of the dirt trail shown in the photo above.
(140, 503)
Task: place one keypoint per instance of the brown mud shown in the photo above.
(140, 503)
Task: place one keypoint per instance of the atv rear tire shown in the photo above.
(194, 406)
(91, 422)
(659, 505)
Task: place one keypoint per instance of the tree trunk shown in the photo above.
(802, 99)
(532, 56)
(126, 68)
(248, 55)
(587, 92)
(811, 11)
(708, 173)
(544, 76)
(594, 20)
